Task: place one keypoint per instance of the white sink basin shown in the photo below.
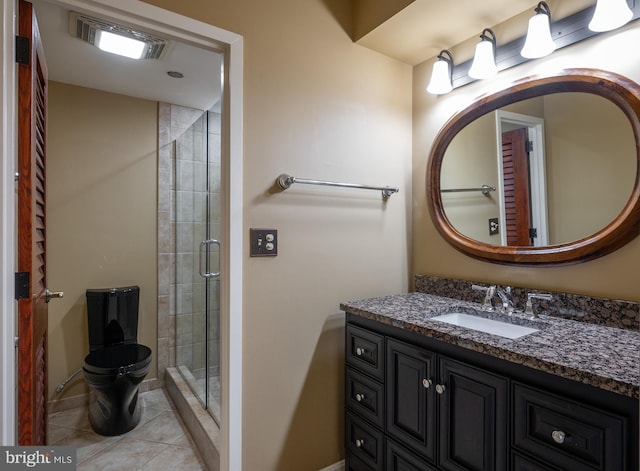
(503, 329)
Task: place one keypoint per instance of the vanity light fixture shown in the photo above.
(484, 60)
(610, 14)
(539, 42)
(441, 74)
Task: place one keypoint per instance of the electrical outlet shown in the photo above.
(264, 242)
(494, 226)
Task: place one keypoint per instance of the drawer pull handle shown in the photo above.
(558, 436)
(360, 351)
(427, 383)
(359, 397)
(359, 443)
(440, 388)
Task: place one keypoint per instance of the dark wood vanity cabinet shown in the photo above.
(473, 418)
(435, 402)
(413, 403)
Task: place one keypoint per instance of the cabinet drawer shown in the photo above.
(365, 351)
(364, 441)
(365, 397)
(353, 463)
(520, 463)
(401, 459)
(566, 433)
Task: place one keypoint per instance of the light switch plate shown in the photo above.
(264, 242)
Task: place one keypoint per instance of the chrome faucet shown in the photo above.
(490, 292)
(505, 297)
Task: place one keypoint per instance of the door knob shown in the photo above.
(49, 295)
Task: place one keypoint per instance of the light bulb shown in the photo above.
(484, 62)
(539, 42)
(610, 14)
(441, 75)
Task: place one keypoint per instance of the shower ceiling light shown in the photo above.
(121, 45)
(115, 38)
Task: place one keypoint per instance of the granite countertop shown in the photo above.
(605, 357)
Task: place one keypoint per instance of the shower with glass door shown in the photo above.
(196, 222)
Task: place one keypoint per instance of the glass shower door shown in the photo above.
(197, 209)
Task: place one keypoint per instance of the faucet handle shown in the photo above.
(530, 297)
(489, 293)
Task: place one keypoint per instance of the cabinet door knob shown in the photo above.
(558, 436)
(359, 443)
(360, 351)
(440, 388)
(359, 397)
(427, 383)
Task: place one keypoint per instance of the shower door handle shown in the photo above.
(203, 245)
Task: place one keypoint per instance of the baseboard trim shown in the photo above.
(339, 466)
(65, 403)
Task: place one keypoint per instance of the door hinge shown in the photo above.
(529, 146)
(23, 50)
(533, 233)
(22, 289)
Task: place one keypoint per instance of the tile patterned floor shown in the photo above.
(160, 441)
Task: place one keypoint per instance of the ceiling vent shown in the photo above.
(85, 28)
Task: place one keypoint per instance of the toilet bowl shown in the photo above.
(116, 363)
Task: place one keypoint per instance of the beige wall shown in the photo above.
(591, 164)
(614, 275)
(368, 14)
(101, 216)
(316, 106)
(470, 162)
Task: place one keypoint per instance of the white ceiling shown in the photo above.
(72, 61)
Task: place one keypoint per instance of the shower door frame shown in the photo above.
(208, 36)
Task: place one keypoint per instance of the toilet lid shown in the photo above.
(110, 360)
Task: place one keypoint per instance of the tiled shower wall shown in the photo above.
(181, 228)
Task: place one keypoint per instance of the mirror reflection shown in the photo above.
(544, 171)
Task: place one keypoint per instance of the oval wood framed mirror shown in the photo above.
(625, 226)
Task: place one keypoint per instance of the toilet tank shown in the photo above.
(112, 315)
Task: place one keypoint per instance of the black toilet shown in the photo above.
(116, 363)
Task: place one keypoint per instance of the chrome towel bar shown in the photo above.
(485, 189)
(284, 181)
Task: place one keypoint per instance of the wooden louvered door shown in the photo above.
(32, 310)
(515, 174)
